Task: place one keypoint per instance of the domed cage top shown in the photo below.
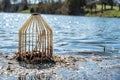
(35, 38)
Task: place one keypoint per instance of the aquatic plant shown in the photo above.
(104, 47)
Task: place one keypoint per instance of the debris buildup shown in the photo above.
(33, 59)
(88, 67)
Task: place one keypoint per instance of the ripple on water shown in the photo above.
(71, 33)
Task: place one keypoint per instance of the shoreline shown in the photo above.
(85, 15)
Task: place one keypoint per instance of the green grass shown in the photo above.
(111, 13)
(107, 7)
(25, 11)
(107, 13)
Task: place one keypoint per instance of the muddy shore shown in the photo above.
(90, 67)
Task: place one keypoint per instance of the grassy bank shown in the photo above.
(109, 13)
(106, 13)
(25, 11)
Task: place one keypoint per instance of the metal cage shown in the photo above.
(35, 38)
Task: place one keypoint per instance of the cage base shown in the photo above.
(33, 58)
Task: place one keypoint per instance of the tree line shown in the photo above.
(71, 7)
(13, 6)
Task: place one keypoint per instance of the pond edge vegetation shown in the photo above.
(101, 8)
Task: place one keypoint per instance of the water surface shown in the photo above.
(72, 34)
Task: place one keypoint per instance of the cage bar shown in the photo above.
(35, 39)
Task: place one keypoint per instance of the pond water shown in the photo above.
(72, 34)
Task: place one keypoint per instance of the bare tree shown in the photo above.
(103, 5)
(111, 3)
(24, 4)
(14, 1)
(6, 5)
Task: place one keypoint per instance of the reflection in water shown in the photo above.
(71, 33)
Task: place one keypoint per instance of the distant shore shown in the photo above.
(109, 14)
(115, 13)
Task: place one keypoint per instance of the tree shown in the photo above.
(111, 2)
(6, 5)
(24, 1)
(24, 4)
(14, 1)
(59, 1)
(41, 8)
(14, 6)
(90, 4)
(75, 6)
(119, 7)
(106, 2)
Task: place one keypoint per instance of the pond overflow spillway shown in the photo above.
(35, 40)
